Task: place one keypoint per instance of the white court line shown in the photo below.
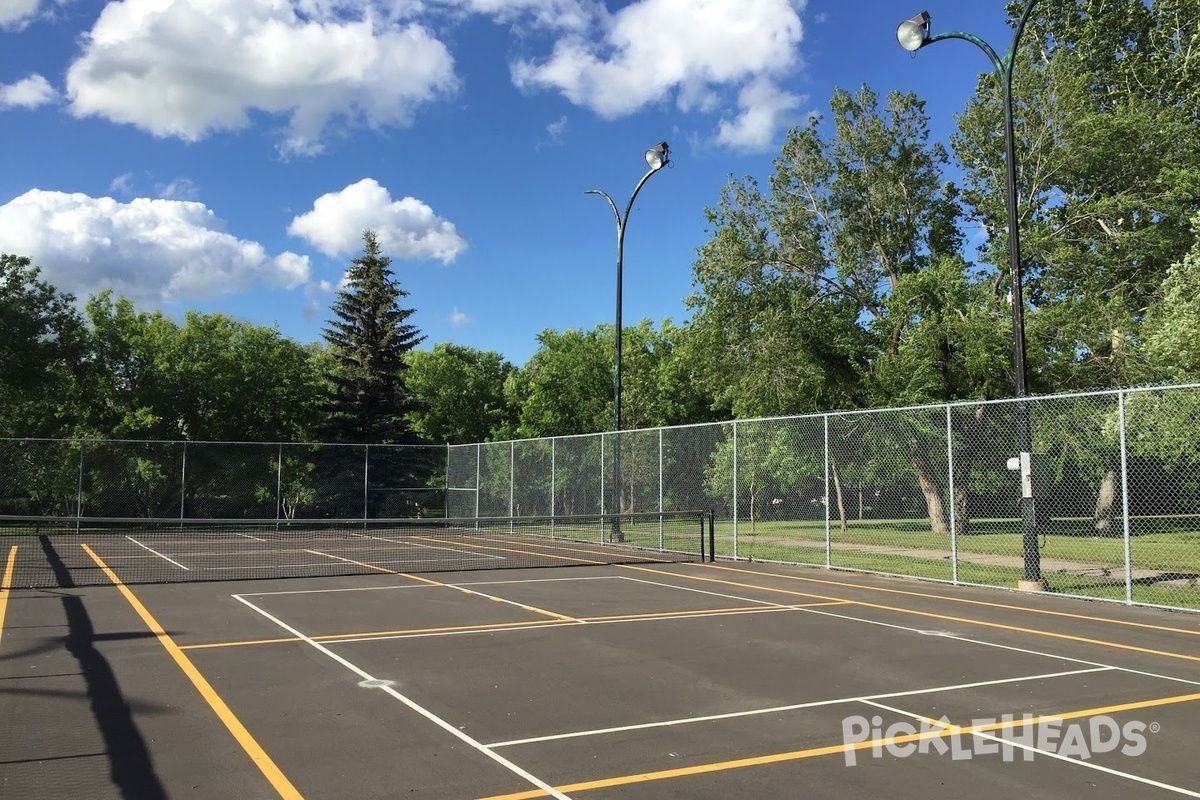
(432, 586)
(319, 563)
(714, 594)
(429, 546)
(446, 726)
(564, 624)
(155, 552)
(793, 707)
(998, 646)
(1076, 761)
(836, 615)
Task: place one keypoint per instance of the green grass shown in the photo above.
(762, 548)
(1168, 551)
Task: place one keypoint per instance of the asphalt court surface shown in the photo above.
(634, 681)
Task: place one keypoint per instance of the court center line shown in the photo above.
(532, 609)
(813, 752)
(792, 707)
(645, 555)
(705, 591)
(429, 715)
(1079, 762)
(543, 624)
(234, 725)
(504, 627)
(944, 617)
(370, 635)
(10, 566)
(155, 552)
(426, 586)
(536, 553)
(448, 548)
(966, 600)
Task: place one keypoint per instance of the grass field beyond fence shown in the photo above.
(1164, 557)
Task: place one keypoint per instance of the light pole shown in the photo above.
(657, 157)
(913, 34)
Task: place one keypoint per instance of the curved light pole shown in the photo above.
(913, 34)
(657, 157)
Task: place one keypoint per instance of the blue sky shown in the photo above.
(225, 155)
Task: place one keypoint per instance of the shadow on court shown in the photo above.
(130, 766)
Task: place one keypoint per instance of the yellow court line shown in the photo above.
(559, 545)
(259, 756)
(537, 553)
(496, 626)
(812, 752)
(533, 609)
(9, 568)
(734, 583)
(333, 637)
(968, 601)
(944, 617)
(693, 612)
(208, 645)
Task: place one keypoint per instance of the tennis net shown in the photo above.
(42, 552)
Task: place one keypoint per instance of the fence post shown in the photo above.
(735, 491)
(660, 489)
(603, 493)
(183, 482)
(1125, 499)
(950, 482)
(79, 487)
(478, 487)
(553, 467)
(828, 532)
(279, 484)
(512, 479)
(366, 468)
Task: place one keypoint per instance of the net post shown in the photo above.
(278, 485)
(703, 557)
(712, 536)
(79, 487)
(183, 482)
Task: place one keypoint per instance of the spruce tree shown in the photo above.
(368, 339)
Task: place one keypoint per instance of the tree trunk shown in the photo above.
(841, 502)
(1102, 516)
(929, 488)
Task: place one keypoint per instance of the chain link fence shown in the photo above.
(220, 480)
(932, 492)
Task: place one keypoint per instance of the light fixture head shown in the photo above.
(658, 156)
(914, 33)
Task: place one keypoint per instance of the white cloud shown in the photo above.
(15, 13)
(148, 250)
(693, 50)
(574, 15)
(763, 108)
(29, 92)
(122, 184)
(407, 229)
(556, 130)
(179, 189)
(188, 68)
(458, 318)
